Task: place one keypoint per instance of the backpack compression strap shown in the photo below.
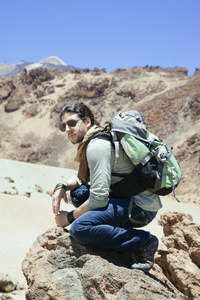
(116, 147)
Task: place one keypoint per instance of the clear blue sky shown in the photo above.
(102, 33)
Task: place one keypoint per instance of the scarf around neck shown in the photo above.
(83, 172)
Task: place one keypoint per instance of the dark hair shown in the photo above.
(80, 109)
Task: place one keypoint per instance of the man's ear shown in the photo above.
(88, 123)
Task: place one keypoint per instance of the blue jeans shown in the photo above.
(109, 227)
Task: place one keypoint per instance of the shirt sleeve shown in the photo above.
(76, 178)
(100, 167)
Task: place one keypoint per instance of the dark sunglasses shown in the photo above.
(70, 123)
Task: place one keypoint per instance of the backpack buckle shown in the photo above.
(163, 158)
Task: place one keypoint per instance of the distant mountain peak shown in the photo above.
(53, 60)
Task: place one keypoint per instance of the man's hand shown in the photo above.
(61, 219)
(57, 196)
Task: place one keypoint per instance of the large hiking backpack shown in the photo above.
(156, 169)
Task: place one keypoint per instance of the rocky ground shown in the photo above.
(168, 99)
(57, 266)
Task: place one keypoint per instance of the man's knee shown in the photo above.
(80, 195)
(80, 232)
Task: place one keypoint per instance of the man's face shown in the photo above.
(76, 128)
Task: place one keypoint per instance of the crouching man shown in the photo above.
(98, 218)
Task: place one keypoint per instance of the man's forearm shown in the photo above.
(80, 211)
(71, 184)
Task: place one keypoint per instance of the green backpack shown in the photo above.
(156, 169)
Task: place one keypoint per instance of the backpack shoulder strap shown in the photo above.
(103, 133)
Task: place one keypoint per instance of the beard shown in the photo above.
(76, 138)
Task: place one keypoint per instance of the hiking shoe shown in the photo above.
(145, 255)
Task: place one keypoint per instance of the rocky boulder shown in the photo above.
(42, 74)
(13, 104)
(180, 261)
(58, 267)
(7, 283)
(6, 89)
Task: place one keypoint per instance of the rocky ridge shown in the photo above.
(168, 99)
